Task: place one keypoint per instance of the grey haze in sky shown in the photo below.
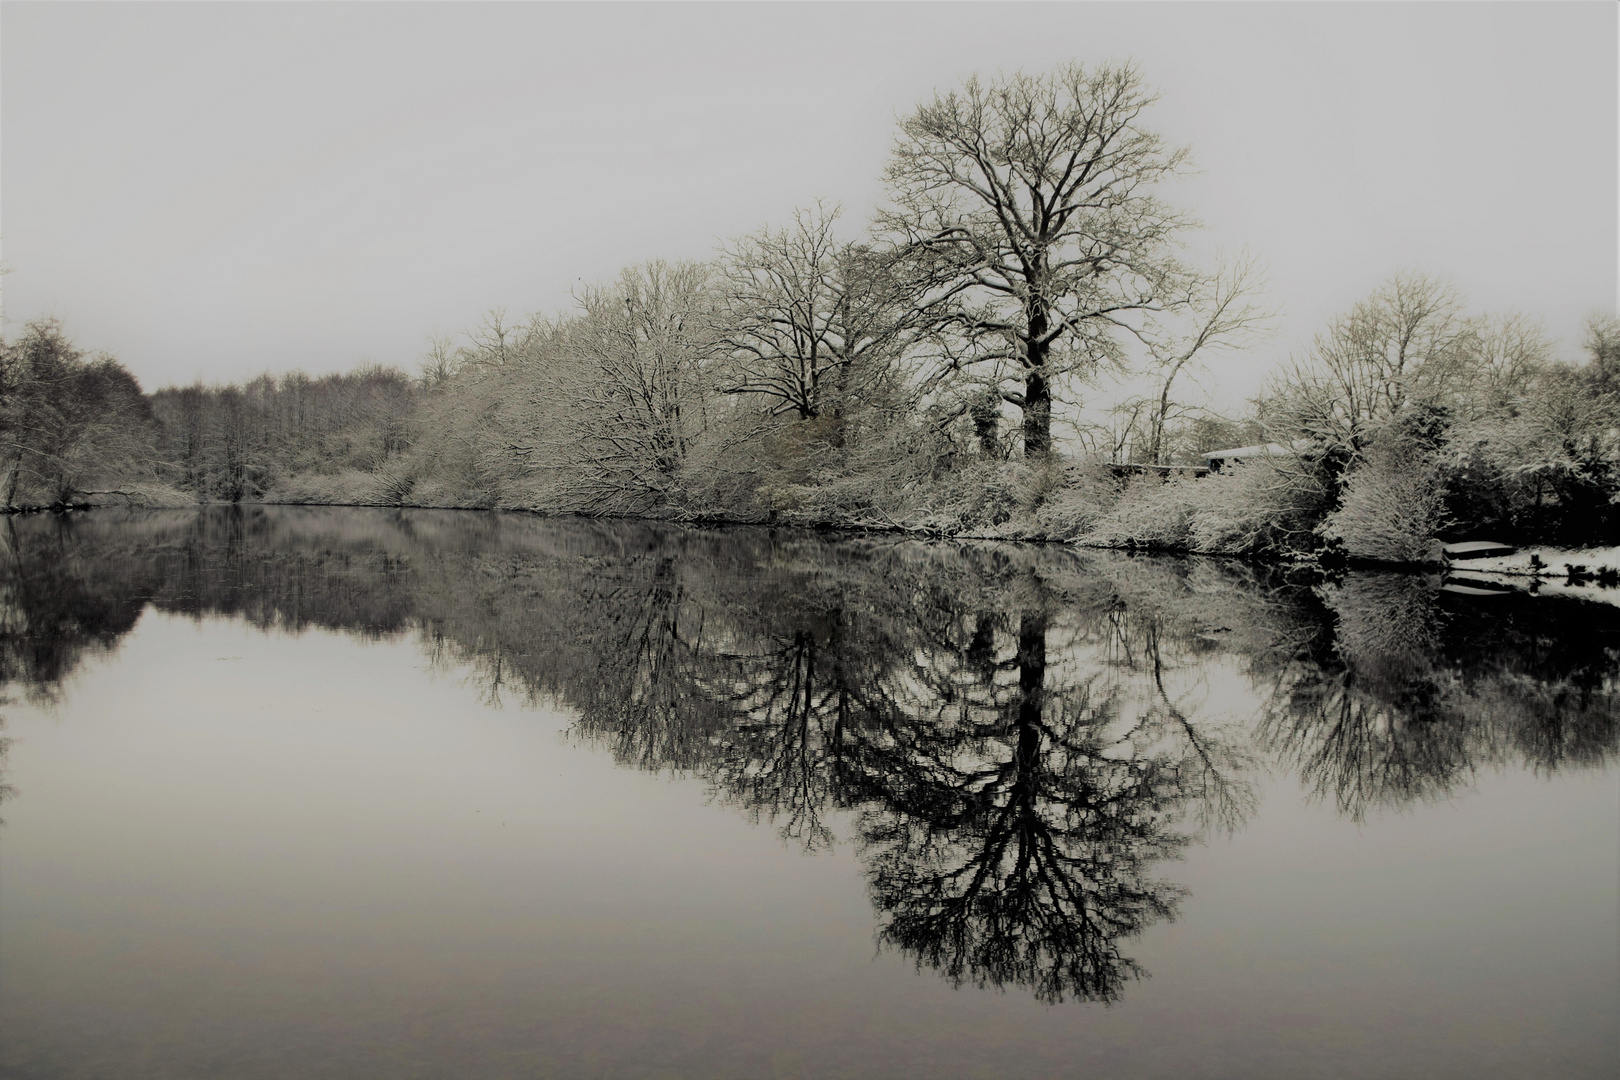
(211, 191)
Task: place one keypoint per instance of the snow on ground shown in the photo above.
(1552, 578)
(1554, 561)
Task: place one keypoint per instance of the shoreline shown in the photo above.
(1585, 572)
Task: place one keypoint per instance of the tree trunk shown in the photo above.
(1037, 414)
(1037, 391)
(8, 486)
(1031, 669)
(986, 414)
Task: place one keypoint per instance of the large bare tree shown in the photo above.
(1029, 200)
(808, 317)
(66, 419)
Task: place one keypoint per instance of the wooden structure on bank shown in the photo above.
(1476, 549)
(1215, 460)
(1129, 468)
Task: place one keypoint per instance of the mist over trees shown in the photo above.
(1010, 348)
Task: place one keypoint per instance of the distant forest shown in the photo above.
(936, 373)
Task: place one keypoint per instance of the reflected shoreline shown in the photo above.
(1022, 738)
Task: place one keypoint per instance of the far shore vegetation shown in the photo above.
(942, 370)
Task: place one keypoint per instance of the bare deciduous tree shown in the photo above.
(1603, 343)
(1407, 342)
(807, 317)
(1221, 313)
(494, 342)
(66, 420)
(614, 397)
(1029, 201)
(439, 362)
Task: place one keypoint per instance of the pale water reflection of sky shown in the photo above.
(324, 857)
(213, 191)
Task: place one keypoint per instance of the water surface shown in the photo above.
(353, 793)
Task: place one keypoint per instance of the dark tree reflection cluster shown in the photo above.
(1015, 841)
(1016, 740)
(1404, 692)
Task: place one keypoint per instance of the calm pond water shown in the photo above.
(364, 793)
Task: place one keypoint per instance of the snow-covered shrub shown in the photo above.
(1254, 508)
(1086, 495)
(1393, 508)
(1150, 514)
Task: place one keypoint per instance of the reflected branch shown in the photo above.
(1014, 738)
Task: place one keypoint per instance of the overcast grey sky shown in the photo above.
(216, 190)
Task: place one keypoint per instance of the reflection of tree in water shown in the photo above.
(785, 756)
(1408, 692)
(1015, 736)
(1361, 715)
(61, 600)
(1013, 843)
(1009, 815)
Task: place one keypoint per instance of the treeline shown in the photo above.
(76, 429)
(1407, 422)
(928, 372)
(234, 443)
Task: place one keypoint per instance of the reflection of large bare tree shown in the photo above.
(1010, 819)
(785, 754)
(1016, 736)
(1015, 845)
